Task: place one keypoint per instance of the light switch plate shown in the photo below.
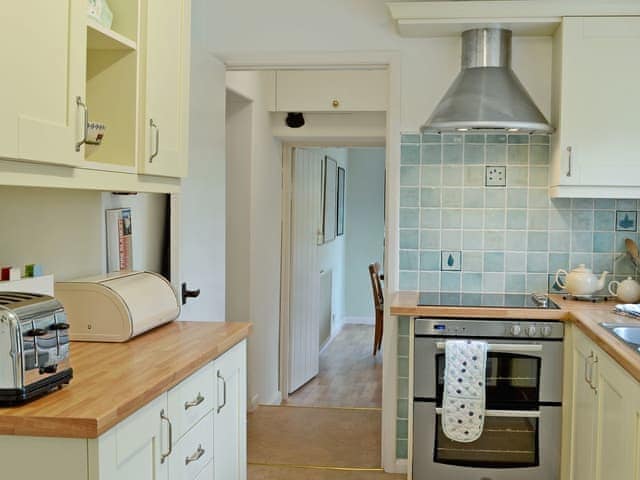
(496, 176)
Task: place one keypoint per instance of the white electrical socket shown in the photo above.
(496, 176)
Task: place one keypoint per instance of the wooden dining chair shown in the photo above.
(378, 304)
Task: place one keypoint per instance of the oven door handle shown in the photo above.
(505, 347)
(506, 413)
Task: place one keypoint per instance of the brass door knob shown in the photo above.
(335, 103)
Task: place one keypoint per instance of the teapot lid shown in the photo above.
(582, 268)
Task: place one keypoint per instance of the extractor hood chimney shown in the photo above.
(486, 94)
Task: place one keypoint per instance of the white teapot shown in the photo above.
(581, 281)
(628, 291)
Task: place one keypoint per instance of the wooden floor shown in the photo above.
(350, 376)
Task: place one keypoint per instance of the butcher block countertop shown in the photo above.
(113, 380)
(585, 315)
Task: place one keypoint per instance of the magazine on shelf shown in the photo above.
(119, 240)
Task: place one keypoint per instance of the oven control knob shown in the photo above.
(546, 331)
(515, 330)
(531, 331)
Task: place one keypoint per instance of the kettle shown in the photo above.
(628, 291)
(581, 281)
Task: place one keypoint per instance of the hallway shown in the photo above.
(330, 429)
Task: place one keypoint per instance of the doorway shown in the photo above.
(336, 231)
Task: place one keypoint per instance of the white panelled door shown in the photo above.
(305, 270)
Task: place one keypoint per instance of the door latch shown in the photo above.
(186, 293)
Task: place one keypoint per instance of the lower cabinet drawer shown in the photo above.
(191, 400)
(193, 452)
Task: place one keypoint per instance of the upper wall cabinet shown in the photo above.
(332, 90)
(165, 126)
(43, 62)
(596, 104)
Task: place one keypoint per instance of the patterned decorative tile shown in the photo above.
(626, 221)
(451, 260)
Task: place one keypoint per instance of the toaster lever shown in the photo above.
(59, 326)
(36, 332)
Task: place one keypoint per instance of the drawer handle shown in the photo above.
(224, 392)
(194, 403)
(197, 455)
(163, 456)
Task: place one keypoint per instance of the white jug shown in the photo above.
(628, 291)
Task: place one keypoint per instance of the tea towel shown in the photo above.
(463, 405)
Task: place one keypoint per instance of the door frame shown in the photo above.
(392, 61)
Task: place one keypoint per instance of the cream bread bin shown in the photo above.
(117, 306)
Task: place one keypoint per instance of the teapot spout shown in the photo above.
(602, 280)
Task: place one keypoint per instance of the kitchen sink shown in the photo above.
(629, 334)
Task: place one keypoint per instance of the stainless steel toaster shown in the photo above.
(34, 346)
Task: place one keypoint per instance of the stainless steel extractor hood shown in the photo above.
(486, 94)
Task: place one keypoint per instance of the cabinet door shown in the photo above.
(332, 90)
(43, 64)
(134, 448)
(583, 424)
(230, 427)
(599, 103)
(167, 88)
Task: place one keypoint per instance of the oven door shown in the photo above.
(520, 374)
(514, 444)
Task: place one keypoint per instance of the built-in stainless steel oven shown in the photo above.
(522, 430)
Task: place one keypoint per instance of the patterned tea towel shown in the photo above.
(630, 309)
(463, 406)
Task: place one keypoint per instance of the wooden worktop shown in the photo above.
(585, 315)
(113, 380)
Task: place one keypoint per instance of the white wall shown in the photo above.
(331, 256)
(64, 230)
(263, 294)
(364, 228)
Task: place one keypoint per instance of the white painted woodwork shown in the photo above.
(197, 446)
(190, 400)
(133, 448)
(44, 71)
(305, 270)
(597, 71)
(605, 419)
(230, 421)
(332, 90)
(167, 88)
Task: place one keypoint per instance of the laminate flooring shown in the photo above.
(350, 376)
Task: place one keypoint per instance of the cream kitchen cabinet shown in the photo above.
(165, 127)
(605, 412)
(43, 61)
(596, 71)
(332, 90)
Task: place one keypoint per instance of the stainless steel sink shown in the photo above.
(629, 334)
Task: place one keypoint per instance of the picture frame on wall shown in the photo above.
(330, 199)
(340, 219)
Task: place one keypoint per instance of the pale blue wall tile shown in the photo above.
(494, 219)
(499, 138)
(494, 197)
(515, 262)
(450, 281)
(472, 219)
(409, 260)
(538, 220)
(472, 240)
(471, 282)
(409, 239)
(431, 154)
(430, 218)
(578, 258)
(403, 408)
(582, 242)
(452, 154)
(537, 262)
(472, 261)
(431, 176)
(518, 155)
(603, 242)
(603, 262)
(410, 138)
(605, 204)
(496, 155)
(561, 203)
(452, 176)
(605, 220)
(452, 138)
(582, 220)
(538, 242)
(493, 282)
(473, 176)
(560, 241)
(515, 283)
(494, 239)
(452, 239)
(409, 197)
(473, 197)
(626, 204)
(559, 219)
(538, 197)
(430, 239)
(474, 154)
(409, 217)
(474, 138)
(430, 281)
(452, 197)
(402, 428)
(410, 154)
(431, 138)
(403, 329)
(516, 240)
(537, 282)
(409, 176)
(517, 198)
(582, 203)
(516, 219)
(557, 261)
(430, 197)
(541, 139)
(519, 138)
(451, 218)
(538, 176)
(494, 262)
(517, 176)
(539, 155)
(430, 260)
(402, 448)
(408, 281)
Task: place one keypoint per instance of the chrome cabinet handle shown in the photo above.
(163, 456)
(593, 364)
(569, 169)
(85, 121)
(195, 402)
(195, 456)
(587, 361)
(153, 125)
(224, 393)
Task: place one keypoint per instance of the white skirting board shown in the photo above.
(360, 320)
